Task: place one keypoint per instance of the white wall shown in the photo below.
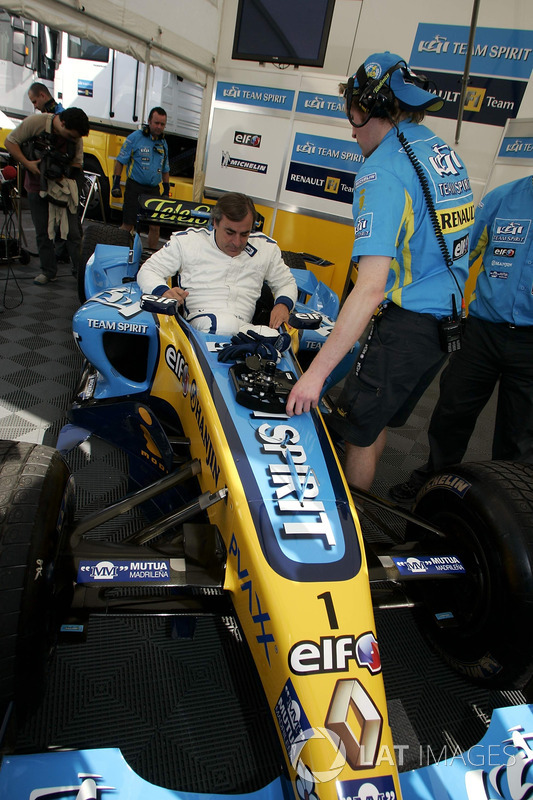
(361, 27)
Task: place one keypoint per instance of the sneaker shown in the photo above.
(405, 492)
(41, 279)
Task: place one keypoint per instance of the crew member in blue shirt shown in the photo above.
(497, 344)
(412, 262)
(42, 100)
(145, 154)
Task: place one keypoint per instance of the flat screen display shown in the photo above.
(283, 31)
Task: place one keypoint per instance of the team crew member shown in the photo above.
(63, 133)
(42, 100)
(221, 271)
(401, 266)
(145, 154)
(497, 345)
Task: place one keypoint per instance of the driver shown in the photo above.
(220, 272)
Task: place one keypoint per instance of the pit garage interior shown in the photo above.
(142, 684)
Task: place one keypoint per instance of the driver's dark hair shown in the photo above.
(233, 205)
(157, 110)
(75, 119)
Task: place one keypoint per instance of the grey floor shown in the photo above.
(429, 705)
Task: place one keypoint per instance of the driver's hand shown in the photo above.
(304, 395)
(278, 315)
(176, 294)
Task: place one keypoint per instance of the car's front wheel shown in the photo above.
(36, 502)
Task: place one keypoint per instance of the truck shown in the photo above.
(114, 89)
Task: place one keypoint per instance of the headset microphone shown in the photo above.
(146, 132)
(374, 95)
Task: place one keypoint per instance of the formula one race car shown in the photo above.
(245, 508)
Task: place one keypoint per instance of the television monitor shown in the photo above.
(283, 32)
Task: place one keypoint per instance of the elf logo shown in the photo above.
(249, 139)
(506, 252)
(461, 247)
(334, 654)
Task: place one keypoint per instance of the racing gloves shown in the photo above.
(116, 191)
(252, 343)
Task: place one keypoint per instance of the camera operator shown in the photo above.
(50, 147)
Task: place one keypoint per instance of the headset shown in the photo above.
(146, 132)
(374, 95)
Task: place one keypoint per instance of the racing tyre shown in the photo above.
(293, 260)
(36, 501)
(99, 233)
(479, 622)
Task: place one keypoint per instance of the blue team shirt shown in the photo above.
(146, 158)
(392, 219)
(503, 236)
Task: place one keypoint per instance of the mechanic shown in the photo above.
(401, 266)
(42, 100)
(497, 344)
(61, 136)
(220, 271)
(145, 154)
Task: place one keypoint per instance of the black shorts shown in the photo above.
(396, 364)
(132, 191)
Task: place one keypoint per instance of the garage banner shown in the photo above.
(323, 167)
(500, 68)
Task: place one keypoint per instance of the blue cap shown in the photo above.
(409, 88)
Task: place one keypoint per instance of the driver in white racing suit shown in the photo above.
(220, 272)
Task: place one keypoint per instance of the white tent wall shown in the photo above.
(180, 36)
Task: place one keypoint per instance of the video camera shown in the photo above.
(54, 164)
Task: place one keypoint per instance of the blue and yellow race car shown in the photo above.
(248, 509)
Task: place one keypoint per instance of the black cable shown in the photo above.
(8, 236)
(429, 202)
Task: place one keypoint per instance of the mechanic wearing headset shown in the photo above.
(145, 154)
(42, 100)
(401, 263)
(497, 344)
(221, 271)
